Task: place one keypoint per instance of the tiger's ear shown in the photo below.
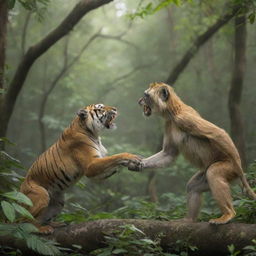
(82, 113)
(164, 94)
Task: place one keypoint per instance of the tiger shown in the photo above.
(77, 152)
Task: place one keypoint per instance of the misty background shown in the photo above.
(111, 58)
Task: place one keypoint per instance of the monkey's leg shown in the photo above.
(217, 175)
(55, 206)
(196, 185)
(40, 199)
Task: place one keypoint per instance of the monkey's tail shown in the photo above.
(251, 194)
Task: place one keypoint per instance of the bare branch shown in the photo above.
(199, 41)
(66, 67)
(24, 32)
(110, 85)
(35, 51)
(119, 38)
(134, 70)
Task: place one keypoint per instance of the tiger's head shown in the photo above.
(97, 117)
(156, 98)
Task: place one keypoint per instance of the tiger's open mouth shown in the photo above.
(146, 108)
(109, 124)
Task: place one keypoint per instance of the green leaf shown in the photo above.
(8, 210)
(2, 91)
(18, 196)
(6, 140)
(251, 18)
(147, 241)
(118, 251)
(11, 4)
(106, 252)
(133, 228)
(28, 227)
(42, 246)
(24, 212)
(250, 247)
(7, 229)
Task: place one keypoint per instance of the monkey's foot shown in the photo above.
(223, 219)
(46, 230)
(55, 224)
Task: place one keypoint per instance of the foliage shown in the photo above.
(245, 208)
(247, 7)
(128, 239)
(9, 168)
(152, 7)
(23, 231)
(13, 209)
(158, 42)
(2, 91)
(233, 252)
(37, 6)
(249, 250)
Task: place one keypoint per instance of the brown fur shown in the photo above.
(205, 145)
(77, 152)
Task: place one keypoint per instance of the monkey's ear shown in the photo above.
(164, 94)
(82, 113)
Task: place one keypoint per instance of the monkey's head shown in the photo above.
(156, 98)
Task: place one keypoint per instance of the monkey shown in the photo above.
(203, 144)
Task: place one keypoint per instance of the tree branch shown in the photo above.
(111, 85)
(199, 41)
(119, 38)
(35, 51)
(210, 240)
(66, 67)
(24, 33)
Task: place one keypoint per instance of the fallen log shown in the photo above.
(208, 238)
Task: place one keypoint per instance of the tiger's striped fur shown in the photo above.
(77, 152)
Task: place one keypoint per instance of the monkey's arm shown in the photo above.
(160, 159)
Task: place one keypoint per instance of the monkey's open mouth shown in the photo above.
(109, 124)
(146, 108)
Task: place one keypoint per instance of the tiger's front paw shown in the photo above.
(133, 162)
(135, 165)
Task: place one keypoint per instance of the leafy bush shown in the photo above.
(13, 209)
(129, 240)
(249, 250)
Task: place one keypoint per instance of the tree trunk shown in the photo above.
(35, 51)
(210, 240)
(3, 26)
(236, 88)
